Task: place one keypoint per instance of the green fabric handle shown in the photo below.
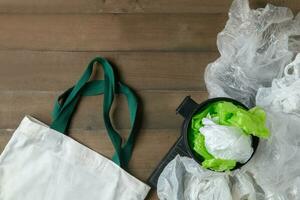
(66, 103)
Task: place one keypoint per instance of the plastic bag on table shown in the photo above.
(183, 178)
(272, 174)
(254, 49)
(285, 92)
(276, 165)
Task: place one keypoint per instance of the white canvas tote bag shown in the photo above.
(42, 163)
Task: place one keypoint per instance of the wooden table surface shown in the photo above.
(160, 48)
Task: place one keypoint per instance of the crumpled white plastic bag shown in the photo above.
(226, 142)
(276, 163)
(254, 48)
(285, 92)
(184, 179)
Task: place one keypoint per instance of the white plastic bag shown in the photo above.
(226, 142)
(284, 95)
(183, 178)
(254, 48)
(277, 163)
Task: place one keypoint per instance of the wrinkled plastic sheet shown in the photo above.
(183, 178)
(254, 48)
(284, 94)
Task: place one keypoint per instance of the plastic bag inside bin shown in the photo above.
(254, 48)
(254, 53)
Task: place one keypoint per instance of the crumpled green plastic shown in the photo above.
(219, 165)
(252, 122)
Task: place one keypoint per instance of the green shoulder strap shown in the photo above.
(65, 105)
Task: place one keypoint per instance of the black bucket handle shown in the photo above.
(185, 109)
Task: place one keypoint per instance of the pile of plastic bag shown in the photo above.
(256, 68)
(254, 48)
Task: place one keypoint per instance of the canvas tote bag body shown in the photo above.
(41, 163)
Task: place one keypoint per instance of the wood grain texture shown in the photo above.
(53, 71)
(109, 32)
(151, 147)
(130, 6)
(158, 109)
(113, 6)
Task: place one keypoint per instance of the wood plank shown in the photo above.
(113, 6)
(53, 71)
(111, 32)
(131, 6)
(150, 148)
(158, 109)
(152, 195)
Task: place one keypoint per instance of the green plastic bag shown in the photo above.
(219, 164)
(252, 122)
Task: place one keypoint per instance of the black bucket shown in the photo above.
(188, 108)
